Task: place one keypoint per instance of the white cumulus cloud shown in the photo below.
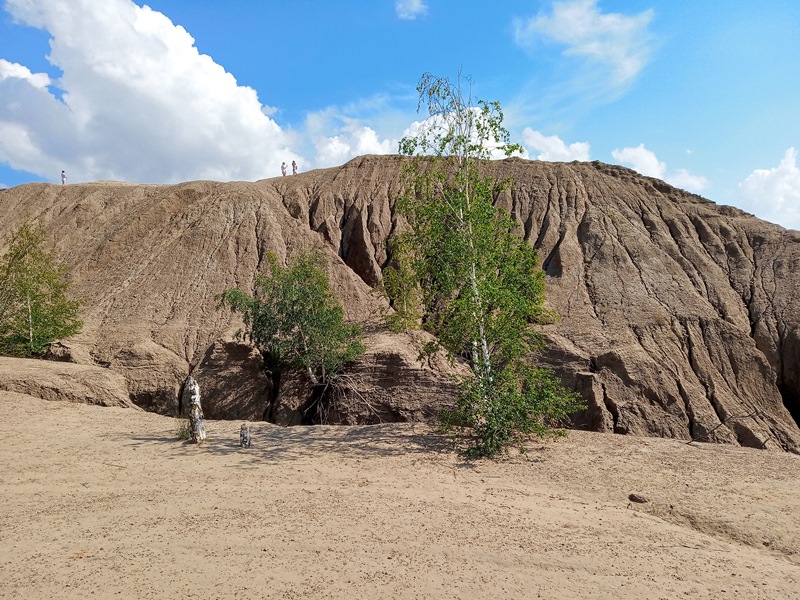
(642, 160)
(17, 71)
(618, 42)
(137, 101)
(409, 10)
(553, 148)
(437, 129)
(646, 162)
(774, 194)
(684, 179)
(350, 138)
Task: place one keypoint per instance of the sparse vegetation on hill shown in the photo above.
(34, 308)
(479, 283)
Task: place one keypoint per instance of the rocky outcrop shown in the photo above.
(386, 384)
(389, 384)
(84, 384)
(679, 317)
(231, 375)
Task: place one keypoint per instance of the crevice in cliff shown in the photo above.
(612, 408)
(685, 262)
(748, 302)
(582, 234)
(712, 399)
(344, 239)
(389, 239)
(553, 259)
(313, 206)
(791, 400)
(692, 359)
(261, 249)
(688, 407)
(180, 397)
(275, 379)
(543, 227)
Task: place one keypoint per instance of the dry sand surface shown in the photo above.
(104, 502)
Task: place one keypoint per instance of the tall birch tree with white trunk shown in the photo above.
(479, 286)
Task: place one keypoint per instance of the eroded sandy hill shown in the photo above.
(679, 318)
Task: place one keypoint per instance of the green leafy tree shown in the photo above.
(480, 288)
(34, 309)
(296, 321)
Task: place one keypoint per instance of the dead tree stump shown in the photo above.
(244, 436)
(197, 422)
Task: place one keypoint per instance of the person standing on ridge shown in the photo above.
(283, 169)
(294, 168)
(63, 177)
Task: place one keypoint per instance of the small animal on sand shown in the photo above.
(244, 436)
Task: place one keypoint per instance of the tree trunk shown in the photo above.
(30, 324)
(197, 422)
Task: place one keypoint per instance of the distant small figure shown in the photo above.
(244, 436)
(63, 177)
(294, 168)
(283, 169)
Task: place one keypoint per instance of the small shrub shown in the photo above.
(183, 430)
(519, 401)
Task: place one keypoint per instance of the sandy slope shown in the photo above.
(104, 502)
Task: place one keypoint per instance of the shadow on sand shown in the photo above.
(271, 443)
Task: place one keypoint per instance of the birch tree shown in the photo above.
(34, 308)
(480, 288)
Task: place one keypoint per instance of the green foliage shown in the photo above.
(518, 401)
(296, 321)
(477, 280)
(477, 284)
(183, 430)
(458, 126)
(399, 284)
(34, 309)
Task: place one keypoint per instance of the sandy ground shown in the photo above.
(105, 502)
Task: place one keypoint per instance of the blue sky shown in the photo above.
(701, 93)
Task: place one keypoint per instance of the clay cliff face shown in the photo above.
(678, 316)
